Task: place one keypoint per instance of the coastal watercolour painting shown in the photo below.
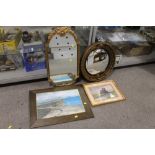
(103, 92)
(59, 103)
(61, 78)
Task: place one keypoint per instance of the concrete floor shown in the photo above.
(138, 111)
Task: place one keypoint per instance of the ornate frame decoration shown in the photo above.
(61, 31)
(102, 75)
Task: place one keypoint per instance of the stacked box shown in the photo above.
(129, 43)
(33, 56)
(11, 42)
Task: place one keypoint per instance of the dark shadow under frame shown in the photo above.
(34, 122)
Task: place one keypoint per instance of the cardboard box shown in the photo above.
(10, 46)
(135, 49)
(10, 43)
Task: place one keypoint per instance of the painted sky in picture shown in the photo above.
(60, 78)
(70, 97)
(76, 100)
(97, 89)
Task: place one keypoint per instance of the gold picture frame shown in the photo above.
(103, 92)
(107, 72)
(62, 31)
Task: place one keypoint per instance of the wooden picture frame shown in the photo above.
(102, 75)
(62, 31)
(54, 96)
(103, 92)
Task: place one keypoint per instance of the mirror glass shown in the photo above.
(97, 61)
(63, 57)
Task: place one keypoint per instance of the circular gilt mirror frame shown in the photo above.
(104, 74)
(62, 31)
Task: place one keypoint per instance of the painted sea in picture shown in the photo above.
(59, 103)
(61, 78)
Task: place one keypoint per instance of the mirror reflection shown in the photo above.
(63, 57)
(97, 61)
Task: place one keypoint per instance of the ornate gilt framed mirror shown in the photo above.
(62, 55)
(97, 61)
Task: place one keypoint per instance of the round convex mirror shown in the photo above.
(97, 61)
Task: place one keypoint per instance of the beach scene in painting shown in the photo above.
(61, 78)
(59, 103)
(103, 92)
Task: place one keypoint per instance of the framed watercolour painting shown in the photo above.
(103, 92)
(56, 105)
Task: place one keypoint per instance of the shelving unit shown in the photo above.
(135, 60)
(87, 36)
(21, 75)
(129, 61)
